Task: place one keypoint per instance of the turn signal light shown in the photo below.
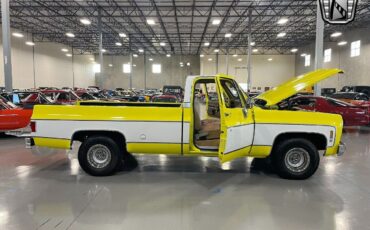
(33, 126)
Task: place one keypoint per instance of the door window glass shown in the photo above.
(231, 94)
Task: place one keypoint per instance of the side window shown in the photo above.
(231, 94)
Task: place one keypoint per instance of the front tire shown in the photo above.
(296, 159)
(99, 156)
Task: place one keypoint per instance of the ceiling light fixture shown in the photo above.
(206, 44)
(216, 50)
(303, 55)
(255, 50)
(162, 44)
(103, 50)
(118, 44)
(18, 35)
(150, 21)
(85, 21)
(294, 50)
(280, 35)
(122, 35)
(235, 55)
(240, 59)
(228, 35)
(202, 55)
(210, 59)
(253, 43)
(64, 50)
(270, 59)
(150, 59)
(188, 64)
(342, 43)
(110, 65)
(168, 55)
(135, 55)
(71, 35)
(30, 43)
(69, 55)
(216, 21)
(282, 21)
(336, 34)
(141, 50)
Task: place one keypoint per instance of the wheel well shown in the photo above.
(319, 140)
(118, 137)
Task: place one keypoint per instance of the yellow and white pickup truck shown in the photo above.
(215, 119)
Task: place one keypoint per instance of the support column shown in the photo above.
(6, 45)
(227, 61)
(100, 48)
(33, 65)
(129, 42)
(73, 70)
(216, 61)
(319, 44)
(249, 80)
(145, 69)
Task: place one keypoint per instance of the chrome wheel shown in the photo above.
(297, 160)
(99, 156)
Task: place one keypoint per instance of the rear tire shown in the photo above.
(99, 156)
(296, 159)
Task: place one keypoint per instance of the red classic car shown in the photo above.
(352, 115)
(61, 96)
(12, 117)
(355, 98)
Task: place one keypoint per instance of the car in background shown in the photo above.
(352, 115)
(26, 99)
(63, 97)
(358, 89)
(253, 94)
(327, 91)
(13, 117)
(84, 95)
(178, 91)
(165, 98)
(355, 98)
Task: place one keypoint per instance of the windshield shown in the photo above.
(338, 102)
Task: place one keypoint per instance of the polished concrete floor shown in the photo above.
(51, 192)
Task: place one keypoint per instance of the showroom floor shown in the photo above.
(51, 192)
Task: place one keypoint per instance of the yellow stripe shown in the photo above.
(260, 151)
(155, 148)
(52, 142)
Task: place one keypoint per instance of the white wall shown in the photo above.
(356, 69)
(48, 67)
(172, 73)
(264, 73)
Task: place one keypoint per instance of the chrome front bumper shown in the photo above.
(341, 149)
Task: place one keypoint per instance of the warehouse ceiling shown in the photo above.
(182, 26)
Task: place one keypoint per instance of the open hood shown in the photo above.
(295, 85)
